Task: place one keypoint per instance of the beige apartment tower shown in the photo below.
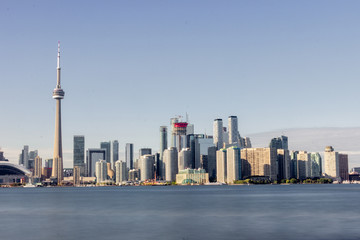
(331, 162)
(221, 167)
(259, 162)
(58, 94)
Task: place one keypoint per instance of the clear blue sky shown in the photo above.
(128, 66)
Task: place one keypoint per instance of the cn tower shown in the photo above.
(58, 94)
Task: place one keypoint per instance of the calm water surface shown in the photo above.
(182, 212)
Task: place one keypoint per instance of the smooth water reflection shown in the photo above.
(182, 212)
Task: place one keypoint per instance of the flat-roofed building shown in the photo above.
(343, 167)
(37, 167)
(121, 172)
(221, 168)
(283, 162)
(259, 162)
(315, 165)
(189, 176)
(331, 162)
(303, 165)
(76, 177)
(233, 164)
(171, 163)
(101, 171)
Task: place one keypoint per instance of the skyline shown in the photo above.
(258, 61)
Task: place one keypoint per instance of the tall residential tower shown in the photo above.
(58, 94)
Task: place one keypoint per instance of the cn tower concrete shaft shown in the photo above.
(58, 94)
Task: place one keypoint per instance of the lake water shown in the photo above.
(182, 212)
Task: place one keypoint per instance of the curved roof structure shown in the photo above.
(7, 168)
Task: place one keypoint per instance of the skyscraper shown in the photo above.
(331, 162)
(121, 172)
(163, 140)
(283, 163)
(233, 164)
(233, 130)
(107, 147)
(171, 163)
(101, 171)
(211, 163)
(163, 146)
(146, 167)
(279, 143)
(259, 162)
(184, 159)
(79, 153)
(25, 156)
(315, 165)
(37, 167)
(343, 167)
(115, 153)
(31, 161)
(94, 155)
(218, 133)
(303, 165)
(173, 135)
(293, 164)
(129, 155)
(58, 94)
(221, 168)
(144, 151)
(76, 176)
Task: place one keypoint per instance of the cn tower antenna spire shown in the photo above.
(58, 57)
(58, 66)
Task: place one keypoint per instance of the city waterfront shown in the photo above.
(182, 212)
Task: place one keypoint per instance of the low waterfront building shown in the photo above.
(192, 176)
(134, 175)
(11, 173)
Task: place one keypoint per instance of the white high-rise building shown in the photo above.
(147, 167)
(171, 164)
(184, 159)
(233, 130)
(218, 133)
(221, 168)
(101, 171)
(233, 164)
(121, 172)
